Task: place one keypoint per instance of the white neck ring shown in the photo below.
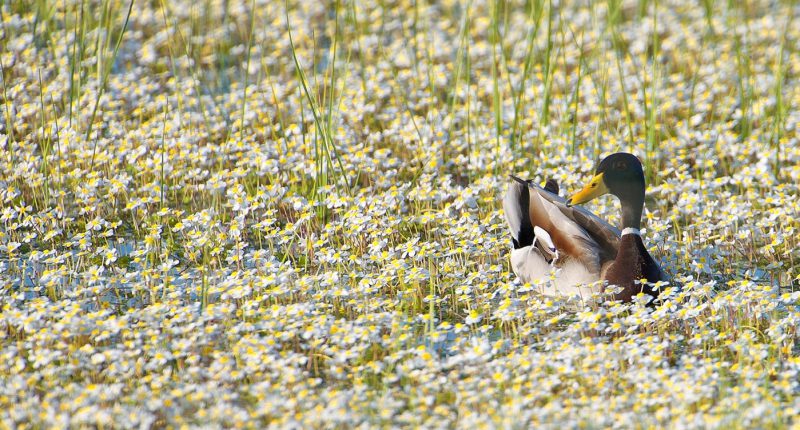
(629, 230)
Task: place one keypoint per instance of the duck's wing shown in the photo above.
(576, 232)
(563, 247)
(516, 204)
(602, 233)
(569, 237)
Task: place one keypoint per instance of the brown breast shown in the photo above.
(633, 263)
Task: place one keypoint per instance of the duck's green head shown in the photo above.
(619, 174)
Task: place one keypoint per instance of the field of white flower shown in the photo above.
(241, 213)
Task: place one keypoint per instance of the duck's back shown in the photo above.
(582, 244)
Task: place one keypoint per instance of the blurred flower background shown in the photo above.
(287, 214)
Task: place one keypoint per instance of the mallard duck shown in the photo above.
(552, 236)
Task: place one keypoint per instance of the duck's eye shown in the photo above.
(594, 184)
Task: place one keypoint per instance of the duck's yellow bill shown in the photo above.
(595, 188)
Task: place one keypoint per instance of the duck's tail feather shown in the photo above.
(552, 186)
(515, 206)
